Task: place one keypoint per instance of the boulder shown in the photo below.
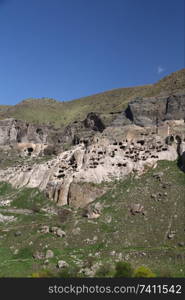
(44, 229)
(83, 193)
(38, 255)
(54, 229)
(49, 254)
(17, 233)
(62, 264)
(137, 208)
(60, 233)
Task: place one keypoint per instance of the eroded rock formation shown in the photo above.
(98, 154)
(153, 110)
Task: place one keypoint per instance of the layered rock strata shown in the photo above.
(104, 160)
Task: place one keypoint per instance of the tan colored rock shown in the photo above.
(64, 191)
(137, 208)
(81, 194)
(73, 176)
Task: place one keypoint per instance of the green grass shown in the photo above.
(30, 198)
(11, 158)
(140, 240)
(5, 188)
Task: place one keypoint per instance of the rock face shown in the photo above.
(94, 122)
(153, 111)
(82, 194)
(32, 140)
(97, 154)
(68, 178)
(82, 130)
(14, 131)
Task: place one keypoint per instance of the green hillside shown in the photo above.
(47, 110)
(154, 239)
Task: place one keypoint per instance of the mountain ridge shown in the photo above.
(62, 113)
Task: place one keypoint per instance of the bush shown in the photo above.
(89, 262)
(35, 208)
(143, 272)
(104, 271)
(71, 272)
(123, 269)
(42, 274)
(24, 253)
(164, 273)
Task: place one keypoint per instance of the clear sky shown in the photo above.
(66, 49)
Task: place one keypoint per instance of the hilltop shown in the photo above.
(108, 104)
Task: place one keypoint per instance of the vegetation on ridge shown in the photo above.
(60, 114)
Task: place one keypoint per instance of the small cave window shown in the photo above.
(141, 142)
(61, 176)
(171, 139)
(30, 150)
(100, 152)
(39, 131)
(178, 139)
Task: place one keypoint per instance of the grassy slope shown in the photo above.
(141, 240)
(62, 113)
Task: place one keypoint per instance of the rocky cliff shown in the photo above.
(89, 152)
(153, 110)
(110, 155)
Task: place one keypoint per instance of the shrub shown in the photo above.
(123, 269)
(143, 272)
(24, 253)
(71, 272)
(42, 274)
(89, 262)
(35, 208)
(104, 271)
(164, 273)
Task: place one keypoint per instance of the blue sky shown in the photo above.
(66, 49)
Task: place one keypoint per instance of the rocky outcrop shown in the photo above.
(153, 111)
(13, 131)
(31, 139)
(69, 178)
(96, 154)
(30, 149)
(94, 122)
(81, 194)
(82, 131)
